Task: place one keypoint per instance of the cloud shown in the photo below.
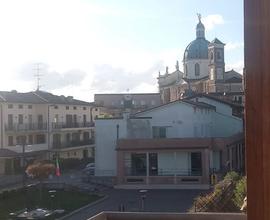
(237, 66)
(49, 78)
(234, 45)
(210, 21)
(110, 79)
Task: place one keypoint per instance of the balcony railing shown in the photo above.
(63, 125)
(163, 172)
(25, 127)
(73, 144)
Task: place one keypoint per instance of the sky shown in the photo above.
(85, 47)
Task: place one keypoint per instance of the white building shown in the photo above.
(181, 141)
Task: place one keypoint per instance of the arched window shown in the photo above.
(186, 69)
(197, 69)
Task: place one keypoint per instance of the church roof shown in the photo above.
(232, 74)
(216, 41)
(197, 49)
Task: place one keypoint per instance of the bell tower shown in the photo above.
(216, 66)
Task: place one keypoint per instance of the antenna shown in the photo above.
(38, 75)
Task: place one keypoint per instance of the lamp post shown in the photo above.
(48, 126)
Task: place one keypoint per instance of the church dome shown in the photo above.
(197, 49)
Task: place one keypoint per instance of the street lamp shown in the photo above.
(48, 126)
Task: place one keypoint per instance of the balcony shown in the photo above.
(63, 125)
(168, 216)
(25, 127)
(73, 144)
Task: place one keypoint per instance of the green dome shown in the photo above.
(197, 49)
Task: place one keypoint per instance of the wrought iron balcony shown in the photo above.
(25, 127)
(63, 125)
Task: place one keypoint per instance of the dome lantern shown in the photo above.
(200, 30)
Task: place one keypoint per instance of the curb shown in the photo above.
(82, 208)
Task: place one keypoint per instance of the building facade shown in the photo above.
(40, 125)
(178, 144)
(113, 105)
(204, 72)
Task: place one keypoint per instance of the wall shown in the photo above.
(180, 119)
(105, 153)
(191, 68)
(220, 107)
(225, 126)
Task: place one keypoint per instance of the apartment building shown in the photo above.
(41, 125)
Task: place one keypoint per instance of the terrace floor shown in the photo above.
(156, 201)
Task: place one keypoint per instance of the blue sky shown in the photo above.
(95, 46)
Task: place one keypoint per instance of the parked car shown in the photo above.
(89, 169)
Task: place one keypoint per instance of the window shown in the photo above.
(96, 109)
(20, 119)
(10, 106)
(56, 107)
(159, 132)
(67, 107)
(153, 102)
(197, 69)
(186, 69)
(40, 139)
(74, 107)
(30, 106)
(56, 118)
(84, 108)
(10, 141)
(20, 106)
(138, 164)
(142, 102)
(20, 140)
(196, 164)
(30, 139)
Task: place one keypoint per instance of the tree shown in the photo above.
(40, 170)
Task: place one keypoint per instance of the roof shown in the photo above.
(197, 104)
(196, 80)
(177, 143)
(55, 99)
(216, 41)
(197, 49)
(7, 153)
(38, 97)
(213, 98)
(17, 97)
(121, 94)
(232, 73)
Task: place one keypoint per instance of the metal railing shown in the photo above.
(164, 172)
(63, 125)
(16, 127)
(73, 144)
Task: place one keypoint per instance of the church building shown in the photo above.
(204, 72)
